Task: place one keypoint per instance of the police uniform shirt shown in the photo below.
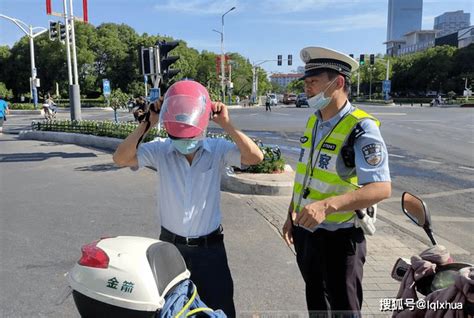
(371, 156)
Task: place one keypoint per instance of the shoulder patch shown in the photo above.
(373, 153)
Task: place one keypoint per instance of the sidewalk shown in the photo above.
(383, 249)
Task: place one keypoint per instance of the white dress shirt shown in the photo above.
(189, 195)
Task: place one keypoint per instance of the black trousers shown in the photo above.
(331, 264)
(210, 273)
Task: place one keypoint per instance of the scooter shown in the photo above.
(433, 273)
(49, 111)
(129, 276)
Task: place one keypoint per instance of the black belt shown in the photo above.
(213, 237)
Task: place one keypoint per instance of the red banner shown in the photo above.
(48, 7)
(84, 11)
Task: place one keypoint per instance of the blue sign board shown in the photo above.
(154, 94)
(386, 86)
(106, 87)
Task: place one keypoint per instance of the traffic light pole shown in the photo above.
(358, 83)
(31, 36)
(74, 91)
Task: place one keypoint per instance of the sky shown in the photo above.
(257, 29)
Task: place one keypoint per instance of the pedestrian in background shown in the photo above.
(4, 111)
(268, 103)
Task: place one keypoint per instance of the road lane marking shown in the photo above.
(450, 219)
(430, 161)
(435, 195)
(390, 114)
(396, 156)
(281, 114)
(419, 120)
(293, 140)
(466, 168)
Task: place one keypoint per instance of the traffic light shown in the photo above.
(53, 30)
(165, 61)
(372, 59)
(147, 61)
(362, 59)
(62, 31)
(279, 59)
(351, 55)
(290, 59)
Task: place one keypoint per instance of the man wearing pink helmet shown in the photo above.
(189, 168)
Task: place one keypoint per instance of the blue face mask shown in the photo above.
(186, 146)
(319, 101)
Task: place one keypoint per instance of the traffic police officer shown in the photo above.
(343, 167)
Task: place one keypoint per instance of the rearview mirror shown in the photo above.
(414, 208)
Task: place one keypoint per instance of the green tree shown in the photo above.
(5, 92)
(118, 99)
(296, 86)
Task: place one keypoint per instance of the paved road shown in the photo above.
(431, 154)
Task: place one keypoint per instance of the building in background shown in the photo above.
(451, 22)
(466, 37)
(417, 41)
(284, 79)
(404, 16)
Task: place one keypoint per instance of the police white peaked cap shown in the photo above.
(317, 58)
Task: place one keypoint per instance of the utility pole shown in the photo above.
(370, 85)
(358, 82)
(31, 35)
(70, 39)
(74, 90)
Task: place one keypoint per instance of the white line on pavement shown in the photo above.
(281, 114)
(396, 156)
(430, 161)
(293, 140)
(459, 219)
(389, 114)
(466, 168)
(436, 195)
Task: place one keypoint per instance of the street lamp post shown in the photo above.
(31, 35)
(222, 54)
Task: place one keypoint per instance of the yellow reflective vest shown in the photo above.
(324, 181)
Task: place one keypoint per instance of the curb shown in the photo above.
(249, 183)
(242, 183)
(105, 143)
(25, 112)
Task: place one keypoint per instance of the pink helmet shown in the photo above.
(186, 109)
